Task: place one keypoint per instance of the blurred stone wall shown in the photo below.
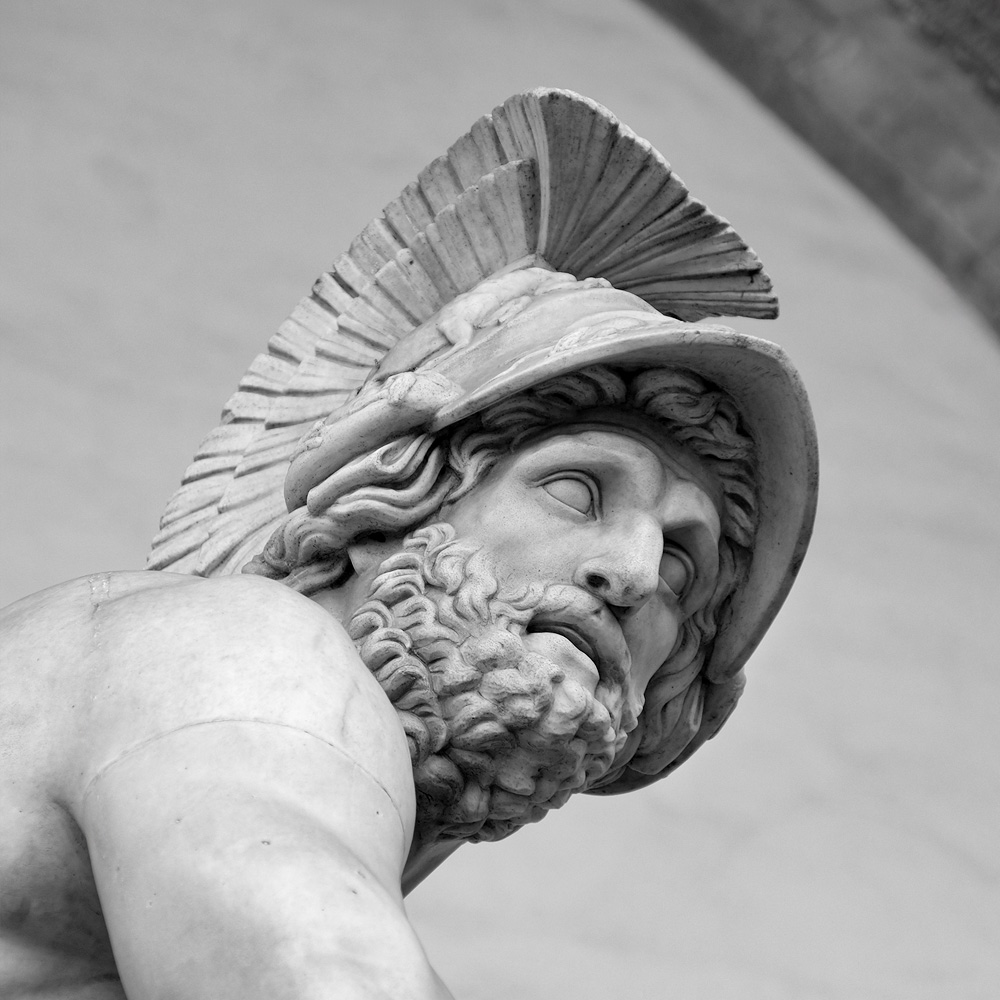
(901, 96)
(968, 31)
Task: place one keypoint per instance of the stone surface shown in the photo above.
(135, 131)
(245, 829)
(535, 526)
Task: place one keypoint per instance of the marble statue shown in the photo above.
(494, 520)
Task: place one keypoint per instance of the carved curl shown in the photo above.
(497, 734)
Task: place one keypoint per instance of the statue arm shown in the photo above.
(248, 859)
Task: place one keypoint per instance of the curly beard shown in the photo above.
(498, 734)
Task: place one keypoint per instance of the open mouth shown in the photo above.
(567, 647)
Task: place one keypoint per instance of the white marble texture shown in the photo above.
(174, 176)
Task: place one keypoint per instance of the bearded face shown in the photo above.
(516, 637)
(491, 686)
(636, 491)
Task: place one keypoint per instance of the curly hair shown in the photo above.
(402, 485)
(492, 743)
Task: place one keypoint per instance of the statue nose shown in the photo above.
(625, 573)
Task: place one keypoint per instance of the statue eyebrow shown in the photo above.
(599, 453)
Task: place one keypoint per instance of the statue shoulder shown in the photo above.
(240, 649)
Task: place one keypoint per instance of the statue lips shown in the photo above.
(579, 633)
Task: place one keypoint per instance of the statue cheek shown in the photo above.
(651, 638)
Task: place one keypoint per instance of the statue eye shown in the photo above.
(676, 570)
(574, 493)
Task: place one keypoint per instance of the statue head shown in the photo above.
(555, 513)
(553, 505)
